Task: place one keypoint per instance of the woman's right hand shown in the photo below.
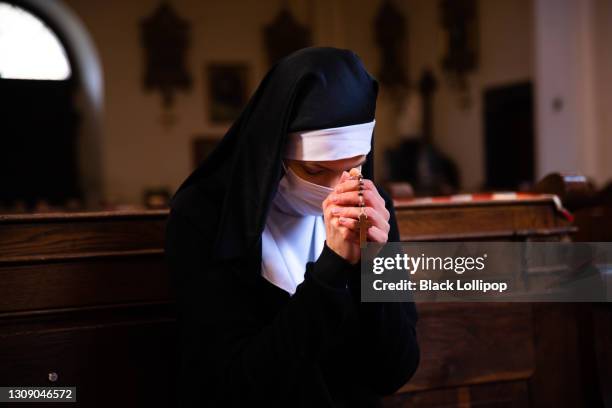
(339, 238)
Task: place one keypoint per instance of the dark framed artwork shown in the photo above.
(166, 38)
(285, 35)
(227, 90)
(459, 19)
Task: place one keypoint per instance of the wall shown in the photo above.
(603, 73)
(140, 151)
(506, 56)
(574, 67)
(557, 72)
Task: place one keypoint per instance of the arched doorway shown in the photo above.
(51, 103)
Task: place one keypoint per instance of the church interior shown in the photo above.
(492, 124)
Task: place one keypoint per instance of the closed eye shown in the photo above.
(313, 172)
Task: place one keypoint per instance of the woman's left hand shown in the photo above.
(345, 198)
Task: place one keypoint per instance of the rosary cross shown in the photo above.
(363, 223)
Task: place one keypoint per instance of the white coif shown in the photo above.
(331, 143)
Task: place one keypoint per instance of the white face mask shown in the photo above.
(301, 197)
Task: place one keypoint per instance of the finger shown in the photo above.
(375, 234)
(329, 199)
(334, 222)
(347, 185)
(327, 202)
(348, 234)
(353, 212)
(327, 206)
(349, 223)
(353, 216)
(351, 198)
(372, 197)
(353, 185)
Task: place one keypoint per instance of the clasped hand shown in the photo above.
(341, 213)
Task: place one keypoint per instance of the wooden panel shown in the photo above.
(112, 362)
(498, 395)
(95, 281)
(473, 343)
(496, 220)
(49, 236)
(557, 380)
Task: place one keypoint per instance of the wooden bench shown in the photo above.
(85, 297)
(488, 354)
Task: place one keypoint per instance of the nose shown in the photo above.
(335, 180)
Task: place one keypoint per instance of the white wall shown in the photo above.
(574, 65)
(603, 87)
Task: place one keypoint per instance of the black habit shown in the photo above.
(243, 341)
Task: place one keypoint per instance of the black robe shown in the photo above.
(247, 343)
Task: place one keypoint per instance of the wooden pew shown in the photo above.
(504, 354)
(86, 298)
(592, 211)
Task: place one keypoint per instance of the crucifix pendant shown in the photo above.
(363, 224)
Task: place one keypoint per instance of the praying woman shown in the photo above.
(263, 245)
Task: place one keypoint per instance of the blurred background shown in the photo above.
(111, 104)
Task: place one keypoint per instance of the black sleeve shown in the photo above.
(387, 332)
(224, 344)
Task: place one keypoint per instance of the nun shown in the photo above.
(263, 247)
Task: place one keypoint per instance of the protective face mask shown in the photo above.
(300, 197)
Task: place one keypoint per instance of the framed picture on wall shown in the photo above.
(227, 90)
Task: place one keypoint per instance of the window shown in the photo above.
(28, 47)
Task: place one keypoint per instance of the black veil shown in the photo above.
(228, 195)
